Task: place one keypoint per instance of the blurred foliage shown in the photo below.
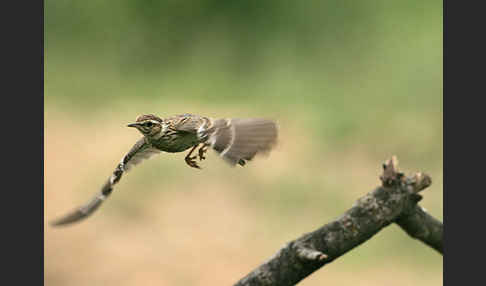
(349, 63)
(324, 44)
(350, 82)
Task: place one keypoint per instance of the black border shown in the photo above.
(22, 142)
(463, 122)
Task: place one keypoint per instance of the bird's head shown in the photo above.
(149, 125)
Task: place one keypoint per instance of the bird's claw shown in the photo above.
(201, 152)
(192, 162)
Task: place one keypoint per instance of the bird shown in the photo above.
(236, 140)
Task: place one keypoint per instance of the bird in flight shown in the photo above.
(236, 140)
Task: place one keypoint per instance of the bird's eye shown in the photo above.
(149, 124)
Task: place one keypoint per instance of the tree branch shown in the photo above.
(395, 201)
(422, 226)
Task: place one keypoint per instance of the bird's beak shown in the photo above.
(132, 125)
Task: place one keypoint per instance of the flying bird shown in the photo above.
(236, 140)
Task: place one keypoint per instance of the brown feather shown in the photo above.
(242, 139)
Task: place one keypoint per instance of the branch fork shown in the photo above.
(393, 202)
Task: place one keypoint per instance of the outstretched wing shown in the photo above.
(140, 151)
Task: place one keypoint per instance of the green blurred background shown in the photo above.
(350, 83)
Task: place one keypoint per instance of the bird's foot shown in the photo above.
(201, 152)
(191, 161)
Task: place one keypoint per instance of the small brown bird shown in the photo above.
(236, 141)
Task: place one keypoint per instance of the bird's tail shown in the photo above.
(239, 140)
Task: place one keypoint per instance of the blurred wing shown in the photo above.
(239, 140)
(140, 151)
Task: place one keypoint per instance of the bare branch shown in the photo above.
(422, 226)
(395, 201)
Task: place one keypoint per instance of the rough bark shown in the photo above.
(394, 201)
(422, 226)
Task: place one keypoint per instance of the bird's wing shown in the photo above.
(140, 151)
(188, 123)
(239, 140)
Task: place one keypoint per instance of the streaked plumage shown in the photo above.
(235, 140)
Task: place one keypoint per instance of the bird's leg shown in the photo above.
(202, 150)
(190, 160)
